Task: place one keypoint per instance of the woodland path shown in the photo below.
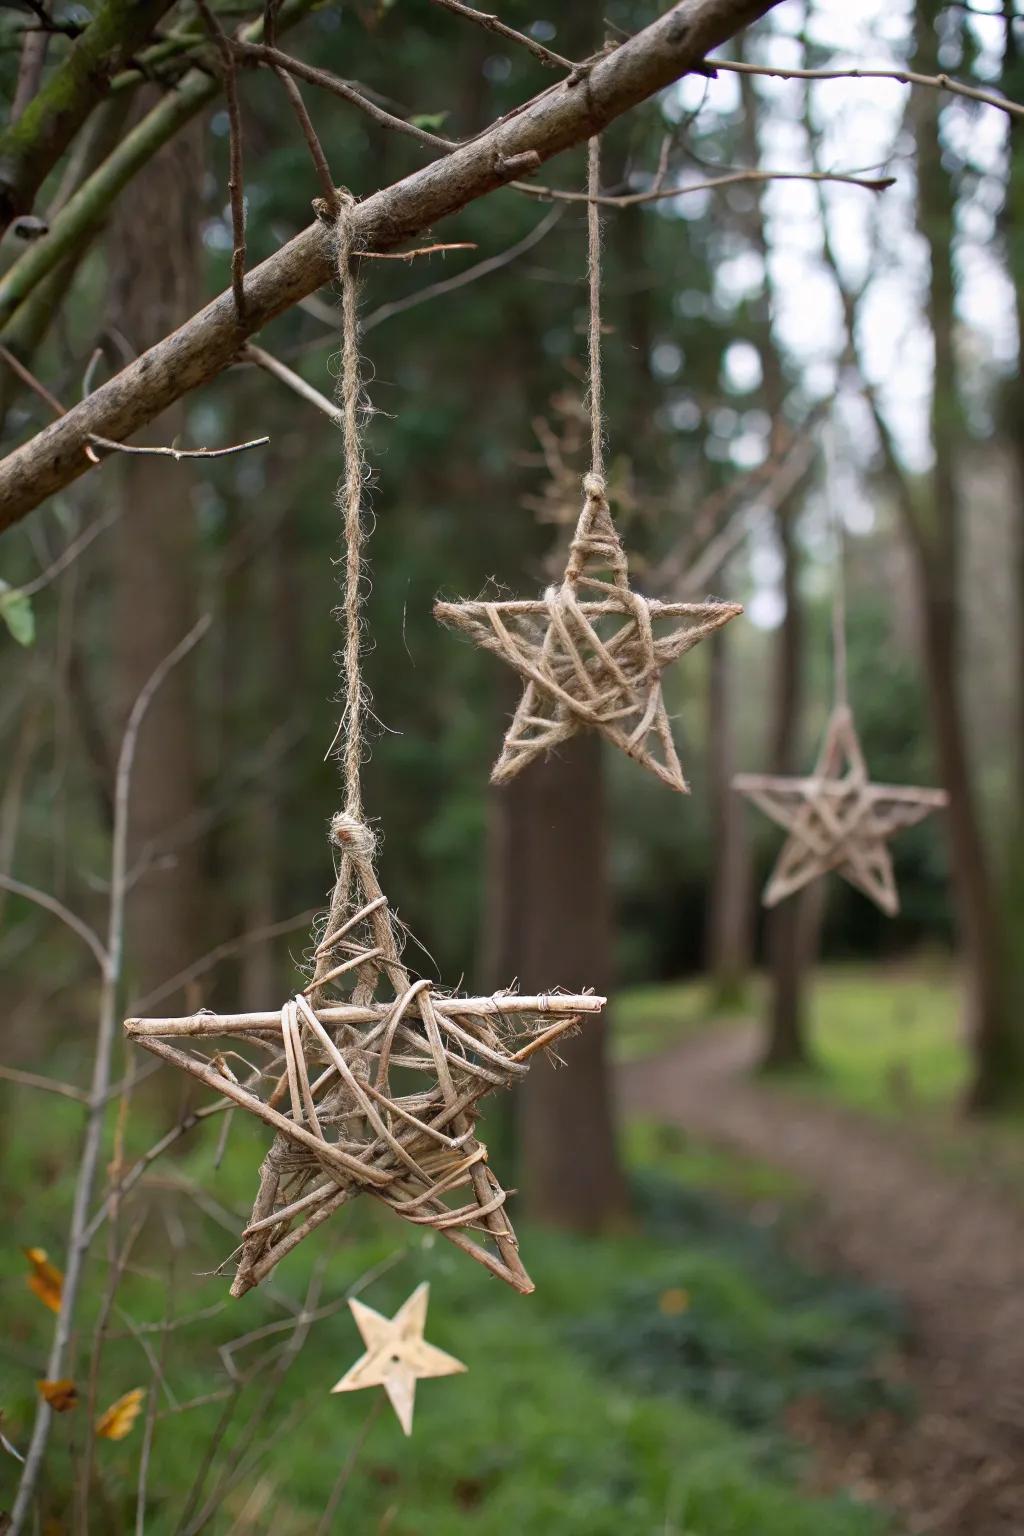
(950, 1248)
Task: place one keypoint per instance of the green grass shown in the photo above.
(879, 1035)
(886, 1040)
(641, 1389)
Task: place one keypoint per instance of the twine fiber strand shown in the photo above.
(596, 381)
(350, 501)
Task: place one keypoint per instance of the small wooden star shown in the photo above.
(837, 819)
(589, 652)
(397, 1355)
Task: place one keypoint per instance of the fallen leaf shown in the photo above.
(118, 1419)
(61, 1395)
(673, 1302)
(44, 1279)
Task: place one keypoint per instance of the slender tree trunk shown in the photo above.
(154, 252)
(785, 1044)
(729, 921)
(936, 536)
(558, 932)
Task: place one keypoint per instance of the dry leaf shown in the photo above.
(44, 1279)
(673, 1302)
(117, 1421)
(61, 1395)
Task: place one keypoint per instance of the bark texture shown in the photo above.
(154, 257)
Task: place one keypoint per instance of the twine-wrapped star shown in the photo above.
(343, 1126)
(397, 1355)
(591, 650)
(837, 819)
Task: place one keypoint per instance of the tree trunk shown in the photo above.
(729, 919)
(785, 1045)
(558, 932)
(936, 536)
(154, 252)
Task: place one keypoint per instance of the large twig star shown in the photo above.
(590, 652)
(837, 819)
(368, 1093)
(397, 1355)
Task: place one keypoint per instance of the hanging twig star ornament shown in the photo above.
(397, 1355)
(837, 819)
(591, 650)
(343, 1127)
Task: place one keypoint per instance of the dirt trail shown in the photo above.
(953, 1251)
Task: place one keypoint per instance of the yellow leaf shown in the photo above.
(117, 1421)
(673, 1302)
(61, 1395)
(44, 1279)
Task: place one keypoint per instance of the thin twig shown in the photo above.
(68, 918)
(421, 250)
(309, 133)
(236, 186)
(28, 378)
(260, 53)
(492, 24)
(326, 1522)
(296, 384)
(78, 1240)
(657, 193)
(70, 553)
(224, 951)
(171, 453)
(470, 275)
(47, 1084)
(901, 76)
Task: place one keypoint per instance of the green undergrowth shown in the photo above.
(641, 1389)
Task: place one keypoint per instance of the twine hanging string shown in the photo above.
(840, 685)
(356, 882)
(595, 539)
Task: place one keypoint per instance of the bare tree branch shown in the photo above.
(565, 115)
(260, 53)
(236, 183)
(494, 24)
(67, 917)
(32, 144)
(658, 194)
(78, 1239)
(170, 453)
(253, 354)
(902, 76)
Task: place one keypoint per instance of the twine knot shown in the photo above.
(352, 835)
(594, 487)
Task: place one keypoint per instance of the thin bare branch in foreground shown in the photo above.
(901, 76)
(259, 53)
(656, 193)
(79, 1231)
(493, 24)
(236, 186)
(253, 354)
(29, 379)
(169, 453)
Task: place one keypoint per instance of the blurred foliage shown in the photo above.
(665, 1437)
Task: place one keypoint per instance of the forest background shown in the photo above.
(745, 324)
